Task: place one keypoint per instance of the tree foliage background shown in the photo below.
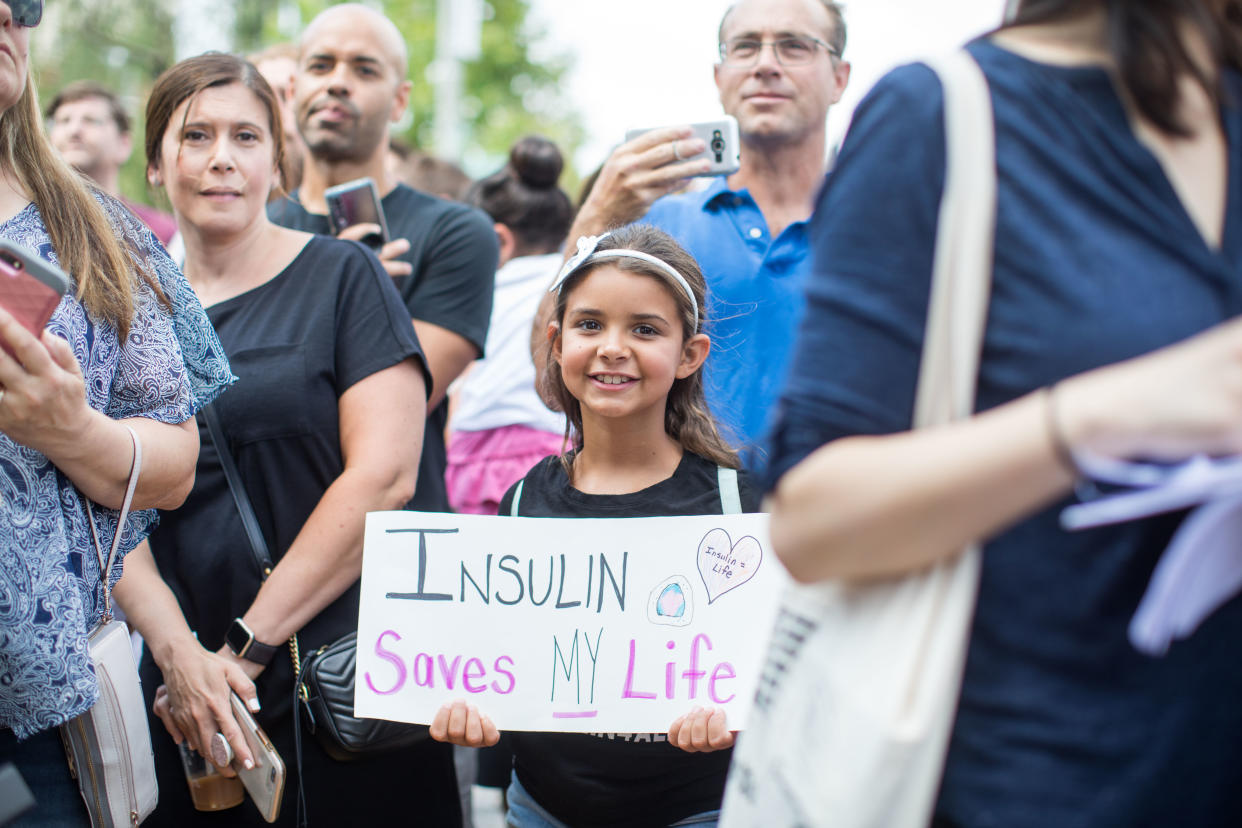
(509, 92)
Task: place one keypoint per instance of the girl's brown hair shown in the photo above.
(687, 418)
(102, 258)
(190, 77)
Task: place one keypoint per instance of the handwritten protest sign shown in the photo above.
(584, 625)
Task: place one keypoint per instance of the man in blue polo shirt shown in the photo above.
(780, 70)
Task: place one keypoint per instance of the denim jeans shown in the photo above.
(43, 765)
(525, 812)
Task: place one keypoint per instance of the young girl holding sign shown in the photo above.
(627, 346)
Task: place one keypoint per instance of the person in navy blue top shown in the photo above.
(1117, 277)
(781, 68)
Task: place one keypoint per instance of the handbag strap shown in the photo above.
(106, 564)
(962, 271)
(302, 816)
(258, 546)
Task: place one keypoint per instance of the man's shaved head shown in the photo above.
(387, 37)
(351, 83)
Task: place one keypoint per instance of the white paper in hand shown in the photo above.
(1156, 489)
(1202, 567)
(1199, 571)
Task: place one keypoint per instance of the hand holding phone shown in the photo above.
(721, 145)
(357, 202)
(265, 782)
(30, 288)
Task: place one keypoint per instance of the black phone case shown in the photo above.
(343, 201)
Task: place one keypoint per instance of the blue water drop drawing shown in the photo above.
(672, 602)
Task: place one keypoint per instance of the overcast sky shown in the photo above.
(649, 62)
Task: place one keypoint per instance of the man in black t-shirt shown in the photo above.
(349, 85)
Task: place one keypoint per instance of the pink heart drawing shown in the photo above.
(725, 565)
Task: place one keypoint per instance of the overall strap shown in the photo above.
(258, 546)
(517, 498)
(730, 495)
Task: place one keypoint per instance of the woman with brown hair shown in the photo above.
(324, 425)
(109, 358)
(1112, 329)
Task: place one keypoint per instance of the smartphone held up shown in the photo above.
(30, 287)
(721, 141)
(357, 202)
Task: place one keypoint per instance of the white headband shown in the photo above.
(587, 255)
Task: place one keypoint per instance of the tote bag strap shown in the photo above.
(962, 269)
(106, 563)
(948, 379)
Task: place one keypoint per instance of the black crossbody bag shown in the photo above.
(323, 684)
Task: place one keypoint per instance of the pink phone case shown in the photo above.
(24, 293)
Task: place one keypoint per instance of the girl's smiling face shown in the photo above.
(217, 160)
(621, 345)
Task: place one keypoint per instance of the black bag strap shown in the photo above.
(302, 817)
(258, 546)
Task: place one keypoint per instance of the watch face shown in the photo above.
(238, 637)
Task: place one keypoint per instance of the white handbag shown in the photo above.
(856, 703)
(109, 746)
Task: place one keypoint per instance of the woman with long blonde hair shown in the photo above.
(127, 346)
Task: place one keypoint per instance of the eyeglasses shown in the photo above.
(26, 13)
(789, 51)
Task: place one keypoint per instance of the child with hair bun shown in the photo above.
(499, 428)
(625, 363)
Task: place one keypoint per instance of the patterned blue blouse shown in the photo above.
(50, 591)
